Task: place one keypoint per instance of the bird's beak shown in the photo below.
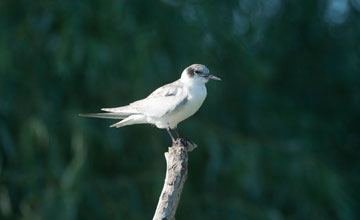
(214, 77)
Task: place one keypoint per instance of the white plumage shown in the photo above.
(167, 105)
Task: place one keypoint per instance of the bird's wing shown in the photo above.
(165, 100)
(170, 89)
(109, 115)
(123, 110)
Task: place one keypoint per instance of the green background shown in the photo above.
(278, 138)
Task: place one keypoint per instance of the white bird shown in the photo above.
(167, 105)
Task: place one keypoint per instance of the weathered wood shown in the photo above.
(176, 174)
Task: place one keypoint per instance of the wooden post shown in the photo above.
(176, 174)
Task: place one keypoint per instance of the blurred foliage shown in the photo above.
(278, 138)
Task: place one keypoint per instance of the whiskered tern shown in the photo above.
(168, 105)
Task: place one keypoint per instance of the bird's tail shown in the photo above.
(131, 120)
(113, 113)
(127, 114)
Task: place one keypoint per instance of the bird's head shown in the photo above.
(197, 73)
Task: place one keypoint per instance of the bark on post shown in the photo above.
(176, 174)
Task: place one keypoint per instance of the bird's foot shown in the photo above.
(190, 145)
(182, 141)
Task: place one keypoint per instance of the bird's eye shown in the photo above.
(197, 71)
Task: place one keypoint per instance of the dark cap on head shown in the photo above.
(197, 69)
(201, 71)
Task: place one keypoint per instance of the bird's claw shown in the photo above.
(190, 145)
(182, 141)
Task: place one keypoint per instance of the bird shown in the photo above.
(167, 106)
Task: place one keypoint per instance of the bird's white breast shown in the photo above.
(195, 97)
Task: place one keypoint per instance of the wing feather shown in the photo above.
(123, 109)
(170, 89)
(162, 101)
(105, 115)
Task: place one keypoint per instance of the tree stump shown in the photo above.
(176, 175)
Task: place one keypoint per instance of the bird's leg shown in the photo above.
(172, 137)
(177, 133)
(182, 140)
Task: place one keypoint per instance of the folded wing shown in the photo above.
(165, 100)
